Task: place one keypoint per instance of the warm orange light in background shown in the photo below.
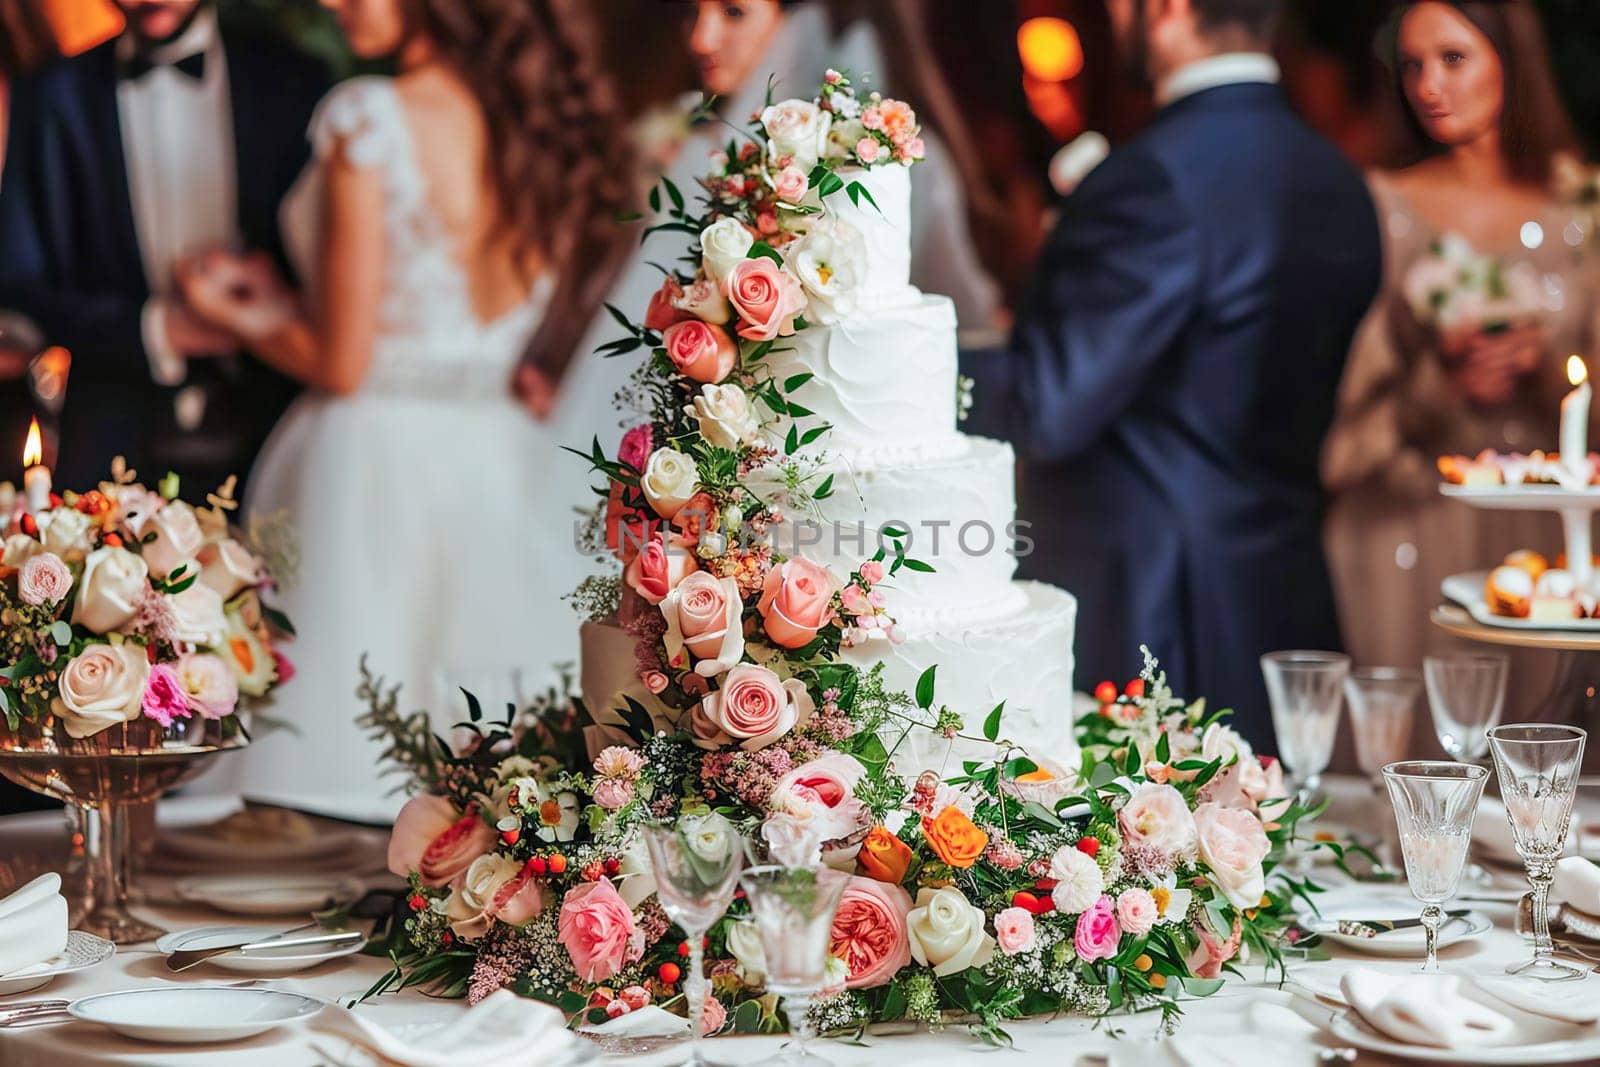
(33, 451)
(81, 24)
(1577, 372)
(1050, 49)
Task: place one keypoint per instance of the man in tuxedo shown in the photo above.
(179, 135)
(1173, 370)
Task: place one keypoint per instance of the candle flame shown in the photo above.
(1577, 372)
(33, 451)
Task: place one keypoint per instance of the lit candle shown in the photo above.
(1575, 422)
(35, 475)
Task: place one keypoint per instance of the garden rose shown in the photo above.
(867, 149)
(703, 615)
(713, 1016)
(1156, 816)
(432, 838)
(1097, 935)
(796, 601)
(1013, 929)
(45, 579)
(831, 263)
(700, 351)
(1233, 844)
(668, 481)
(884, 856)
(470, 897)
(954, 837)
(519, 901)
(197, 616)
(869, 932)
(946, 932)
(726, 416)
(766, 298)
(658, 569)
(211, 687)
(1079, 880)
(615, 761)
(65, 531)
(790, 184)
(663, 309)
(613, 794)
(756, 708)
(723, 245)
(634, 449)
(165, 699)
(101, 687)
(796, 129)
(228, 567)
(177, 537)
(598, 931)
(825, 789)
(114, 580)
(1136, 911)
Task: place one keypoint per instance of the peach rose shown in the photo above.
(627, 528)
(45, 579)
(766, 298)
(704, 615)
(955, 838)
(1013, 930)
(700, 350)
(598, 931)
(869, 932)
(1136, 911)
(824, 790)
(663, 310)
(755, 708)
(796, 602)
(884, 857)
(433, 839)
(1233, 845)
(1212, 952)
(1156, 816)
(101, 687)
(790, 184)
(704, 300)
(659, 567)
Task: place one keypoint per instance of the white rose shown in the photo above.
(1157, 816)
(177, 537)
(20, 548)
(65, 531)
(101, 687)
(946, 932)
(704, 300)
(197, 615)
(744, 945)
(796, 128)
(114, 581)
(830, 261)
(1224, 743)
(470, 898)
(793, 838)
(1079, 881)
(842, 137)
(669, 481)
(1233, 845)
(723, 245)
(708, 836)
(727, 418)
(636, 881)
(228, 567)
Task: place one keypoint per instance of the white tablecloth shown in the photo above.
(1064, 1042)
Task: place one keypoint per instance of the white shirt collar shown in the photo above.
(1229, 68)
(199, 36)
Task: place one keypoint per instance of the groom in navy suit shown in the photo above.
(1173, 371)
(178, 136)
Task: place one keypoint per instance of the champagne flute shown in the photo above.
(793, 908)
(1305, 692)
(1538, 768)
(1466, 695)
(1434, 803)
(1382, 703)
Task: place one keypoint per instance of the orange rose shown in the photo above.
(884, 856)
(953, 836)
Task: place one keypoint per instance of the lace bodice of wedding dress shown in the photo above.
(430, 340)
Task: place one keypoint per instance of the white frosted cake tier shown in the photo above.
(884, 223)
(885, 375)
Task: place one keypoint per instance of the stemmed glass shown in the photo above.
(1304, 688)
(1434, 804)
(1538, 770)
(696, 864)
(793, 908)
(1382, 702)
(1466, 695)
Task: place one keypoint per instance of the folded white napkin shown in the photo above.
(1568, 1002)
(502, 1029)
(1422, 1009)
(1265, 1029)
(33, 924)
(1578, 884)
(1491, 830)
(648, 1021)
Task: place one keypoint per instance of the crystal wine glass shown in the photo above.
(1305, 691)
(1382, 701)
(1538, 770)
(696, 863)
(793, 908)
(1466, 695)
(1434, 803)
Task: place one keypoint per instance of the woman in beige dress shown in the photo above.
(1479, 95)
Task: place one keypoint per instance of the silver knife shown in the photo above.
(1374, 927)
(186, 958)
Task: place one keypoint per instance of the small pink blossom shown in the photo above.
(1004, 853)
(45, 579)
(867, 150)
(284, 665)
(790, 184)
(655, 681)
(872, 118)
(767, 223)
(914, 148)
(165, 699)
(616, 761)
(1136, 911)
(714, 1016)
(833, 77)
(872, 571)
(613, 794)
(635, 997)
(1013, 929)
(1097, 935)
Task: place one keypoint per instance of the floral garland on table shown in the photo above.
(122, 604)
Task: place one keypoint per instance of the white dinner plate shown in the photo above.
(268, 894)
(192, 1015)
(83, 950)
(1467, 590)
(257, 960)
(1408, 943)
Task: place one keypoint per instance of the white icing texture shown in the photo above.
(885, 228)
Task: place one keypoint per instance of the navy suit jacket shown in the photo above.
(1169, 383)
(69, 257)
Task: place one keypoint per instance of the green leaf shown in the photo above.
(474, 709)
(672, 193)
(747, 1018)
(925, 688)
(1163, 749)
(174, 588)
(991, 725)
(1035, 810)
(825, 490)
(857, 191)
(919, 566)
(61, 633)
(794, 382)
(1201, 987)
(892, 531)
(762, 250)
(791, 443)
(655, 199)
(813, 433)
(617, 314)
(798, 411)
(169, 485)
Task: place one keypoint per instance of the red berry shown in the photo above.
(1047, 904)
(1135, 688)
(1025, 900)
(511, 836)
(613, 866)
(417, 902)
(30, 526)
(593, 872)
(1106, 692)
(55, 500)
(683, 949)
(670, 973)
(1089, 846)
(113, 540)
(558, 863)
(538, 866)
(446, 938)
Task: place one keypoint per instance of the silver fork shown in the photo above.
(31, 1012)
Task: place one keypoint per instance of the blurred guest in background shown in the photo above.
(1174, 369)
(1464, 368)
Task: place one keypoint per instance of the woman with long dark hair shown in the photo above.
(440, 212)
(1441, 366)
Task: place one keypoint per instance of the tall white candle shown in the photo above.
(1575, 422)
(35, 476)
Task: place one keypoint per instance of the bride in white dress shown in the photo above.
(435, 517)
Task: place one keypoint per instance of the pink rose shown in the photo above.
(790, 184)
(756, 708)
(1233, 845)
(867, 150)
(1013, 930)
(635, 447)
(869, 932)
(899, 121)
(1097, 935)
(713, 1017)
(165, 699)
(635, 997)
(655, 681)
(520, 900)
(766, 297)
(615, 761)
(598, 930)
(1136, 911)
(704, 615)
(1157, 816)
(767, 223)
(1212, 952)
(700, 350)
(913, 149)
(613, 794)
(796, 602)
(433, 839)
(825, 789)
(663, 310)
(872, 571)
(45, 579)
(211, 685)
(658, 569)
(872, 118)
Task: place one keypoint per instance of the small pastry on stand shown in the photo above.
(1509, 592)
(1529, 560)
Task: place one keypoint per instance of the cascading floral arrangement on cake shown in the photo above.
(738, 670)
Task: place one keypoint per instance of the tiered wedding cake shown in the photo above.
(885, 379)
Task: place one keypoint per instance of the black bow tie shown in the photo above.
(137, 66)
